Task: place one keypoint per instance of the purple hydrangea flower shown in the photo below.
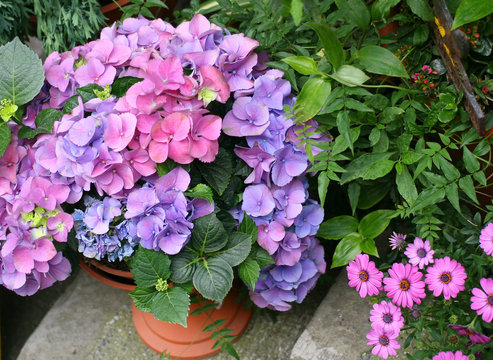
(289, 164)
(309, 220)
(258, 200)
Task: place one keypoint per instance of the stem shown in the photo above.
(390, 87)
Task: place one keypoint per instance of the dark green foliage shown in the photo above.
(14, 20)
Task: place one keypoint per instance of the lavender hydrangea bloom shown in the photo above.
(98, 217)
(289, 163)
(309, 220)
(279, 285)
(258, 200)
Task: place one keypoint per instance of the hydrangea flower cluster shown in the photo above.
(30, 220)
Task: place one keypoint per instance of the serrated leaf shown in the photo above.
(143, 298)
(237, 248)
(347, 249)
(5, 137)
(311, 98)
(44, 124)
(323, 186)
(379, 60)
(148, 266)
(337, 227)
(332, 46)
(21, 73)
(249, 227)
(208, 234)
(213, 278)
(172, 306)
(121, 85)
(87, 92)
(249, 271)
(218, 173)
(302, 64)
(375, 223)
(350, 76)
(70, 104)
(201, 191)
(183, 266)
(262, 257)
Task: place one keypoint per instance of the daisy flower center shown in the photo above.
(387, 318)
(404, 285)
(384, 340)
(445, 278)
(421, 253)
(490, 300)
(363, 275)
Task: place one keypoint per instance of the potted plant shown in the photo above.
(167, 146)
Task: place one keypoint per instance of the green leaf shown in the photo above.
(467, 185)
(121, 85)
(452, 193)
(183, 266)
(375, 223)
(343, 126)
(350, 76)
(332, 46)
(167, 166)
(248, 226)
(427, 197)
(410, 157)
(471, 10)
(201, 191)
(470, 161)
(323, 185)
(368, 246)
(143, 298)
(380, 9)
(302, 64)
(44, 124)
(70, 104)
(5, 137)
(449, 170)
(360, 165)
(262, 257)
(405, 185)
(296, 11)
(337, 227)
(372, 194)
(230, 349)
(218, 173)
(172, 306)
(148, 266)
(356, 11)
(249, 271)
(208, 234)
(213, 278)
(379, 60)
(353, 192)
(311, 99)
(421, 8)
(87, 92)
(347, 249)
(21, 73)
(379, 169)
(237, 248)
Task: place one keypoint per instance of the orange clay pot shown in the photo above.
(191, 342)
(109, 276)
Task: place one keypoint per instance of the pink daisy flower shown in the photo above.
(387, 316)
(383, 341)
(420, 253)
(397, 241)
(486, 239)
(474, 336)
(482, 301)
(364, 275)
(405, 286)
(447, 276)
(449, 355)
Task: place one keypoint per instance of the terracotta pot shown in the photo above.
(109, 276)
(191, 342)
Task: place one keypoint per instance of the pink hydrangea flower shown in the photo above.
(404, 286)
(119, 130)
(164, 132)
(447, 276)
(486, 239)
(384, 342)
(449, 355)
(387, 316)
(482, 301)
(364, 276)
(420, 253)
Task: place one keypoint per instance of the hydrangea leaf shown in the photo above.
(262, 257)
(183, 266)
(5, 137)
(148, 266)
(208, 234)
(22, 73)
(249, 227)
(87, 92)
(213, 278)
(172, 306)
(218, 173)
(237, 248)
(227, 220)
(249, 271)
(44, 124)
(201, 191)
(143, 298)
(121, 85)
(70, 104)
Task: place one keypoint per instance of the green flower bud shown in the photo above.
(27, 216)
(103, 94)
(453, 319)
(447, 302)
(80, 61)
(207, 95)
(373, 300)
(162, 285)
(7, 109)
